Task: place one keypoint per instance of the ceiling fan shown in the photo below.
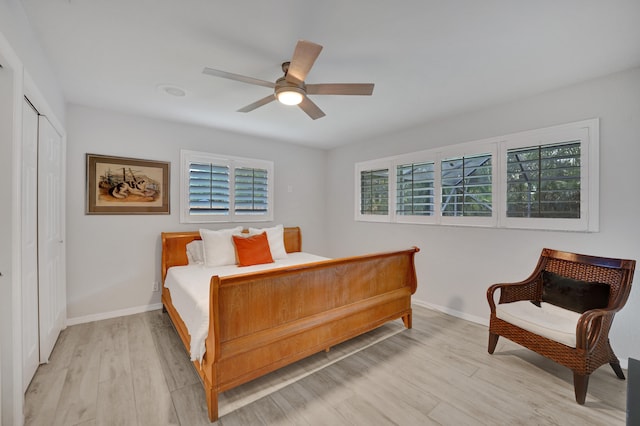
(291, 89)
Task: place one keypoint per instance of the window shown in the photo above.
(225, 189)
(375, 192)
(415, 189)
(466, 186)
(372, 193)
(251, 191)
(208, 189)
(539, 179)
(544, 181)
(551, 178)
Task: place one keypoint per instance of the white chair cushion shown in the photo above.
(548, 320)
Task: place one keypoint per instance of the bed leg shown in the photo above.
(212, 403)
(406, 319)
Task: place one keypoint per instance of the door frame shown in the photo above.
(29, 244)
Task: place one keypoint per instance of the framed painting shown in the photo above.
(120, 185)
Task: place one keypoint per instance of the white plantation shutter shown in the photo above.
(208, 189)
(251, 191)
(544, 181)
(225, 189)
(374, 186)
(415, 189)
(466, 185)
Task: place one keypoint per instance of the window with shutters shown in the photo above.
(225, 189)
(208, 189)
(373, 192)
(251, 191)
(544, 181)
(539, 179)
(551, 178)
(415, 189)
(374, 186)
(466, 186)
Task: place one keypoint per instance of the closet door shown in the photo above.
(51, 258)
(30, 335)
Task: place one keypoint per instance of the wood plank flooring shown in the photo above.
(134, 370)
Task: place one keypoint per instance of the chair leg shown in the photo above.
(580, 384)
(493, 341)
(617, 369)
(614, 362)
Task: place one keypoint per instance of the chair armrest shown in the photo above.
(513, 292)
(593, 328)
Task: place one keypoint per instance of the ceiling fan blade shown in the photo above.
(311, 109)
(304, 55)
(258, 103)
(364, 89)
(238, 77)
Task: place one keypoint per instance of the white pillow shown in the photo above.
(195, 252)
(275, 236)
(218, 246)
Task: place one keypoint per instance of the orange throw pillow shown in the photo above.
(253, 250)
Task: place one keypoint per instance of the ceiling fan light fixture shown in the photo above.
(290, 96)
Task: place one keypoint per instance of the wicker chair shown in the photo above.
(592, 348)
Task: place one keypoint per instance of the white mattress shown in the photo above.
(189, 288)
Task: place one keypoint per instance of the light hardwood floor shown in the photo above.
(134, 371)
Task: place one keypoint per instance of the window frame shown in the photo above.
(364, 167)
(418, 158)
(470, 150)
(187, 157)
(586, 132)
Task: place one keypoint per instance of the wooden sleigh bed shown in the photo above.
(262, 321)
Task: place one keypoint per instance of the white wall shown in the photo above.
(113, 260)
(456, 265)
(15, 26)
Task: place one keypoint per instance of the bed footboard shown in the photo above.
(264, 321)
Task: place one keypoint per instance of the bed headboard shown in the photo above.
(174, 252)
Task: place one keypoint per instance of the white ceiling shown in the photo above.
(427, 58)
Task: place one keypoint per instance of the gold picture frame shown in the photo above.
(121, 185)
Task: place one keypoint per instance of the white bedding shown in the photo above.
(189, 288)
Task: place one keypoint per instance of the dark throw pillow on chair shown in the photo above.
(575, 295)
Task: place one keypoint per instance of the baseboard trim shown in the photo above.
(452, 312)
(113, 314)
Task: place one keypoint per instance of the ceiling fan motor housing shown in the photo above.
(285, 89)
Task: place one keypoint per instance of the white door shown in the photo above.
(29, 191)
(51, 257)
